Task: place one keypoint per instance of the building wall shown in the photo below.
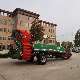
(21, 16)
(51, 34)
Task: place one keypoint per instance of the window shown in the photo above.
(9, 30)
(22, 15)
(26, 24)
(12, 23)
(30, 18)
(12, 30)
(2, 13)
(34, 18)
(54, 26)
(0, 37)
(27, 17)
(1, 29)
(49, 30)
(53, 31)
(53, 41)
(53, 36)
(5, 14)
(20, 23)
(9, 22)
(4, 37)
(5, 22)
(44, 23)
(44, 28)
(11, 38)
(3, 46)
(19, 15)
(8, 37)
(0, 46)
(44, 41)
(30, 25)
(29, 31)
(1, 21)
(8, 46)
(50, 41)
(47, 24)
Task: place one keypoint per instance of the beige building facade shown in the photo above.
(22, 19)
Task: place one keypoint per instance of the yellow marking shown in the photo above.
(71, 52)
(33, 45)
(58, 47)
(54, 67)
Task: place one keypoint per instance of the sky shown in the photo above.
(64, 13)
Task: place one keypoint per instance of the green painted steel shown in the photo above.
(48, 48)
(18, 44)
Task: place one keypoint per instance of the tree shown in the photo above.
(63, 44)
(37, 31)
(57, 43)
(77, 38)
(69, 45)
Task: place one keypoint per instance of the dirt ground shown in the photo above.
(54, 69)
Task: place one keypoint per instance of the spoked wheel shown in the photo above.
(41, 59)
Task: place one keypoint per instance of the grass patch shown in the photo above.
(6, 55)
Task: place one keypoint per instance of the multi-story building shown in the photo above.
(22, 19)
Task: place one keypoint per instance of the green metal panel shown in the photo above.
(48, 48)
(19, 47)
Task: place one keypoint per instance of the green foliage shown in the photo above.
(37, 31)
(69, 45)
(1, 50)
(63, 44)
(6, 55)
(57, 43)
(77, 38)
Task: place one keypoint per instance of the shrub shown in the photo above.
(6, 55)
(1, 50)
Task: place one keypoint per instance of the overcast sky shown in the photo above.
(64, 13)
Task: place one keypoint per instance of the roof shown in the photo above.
(19, 9)
(47, 22)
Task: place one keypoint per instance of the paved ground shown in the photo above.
(55, 69)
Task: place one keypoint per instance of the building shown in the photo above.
(22, 19)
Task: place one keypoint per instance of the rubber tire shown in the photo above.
(40, 58)
(68, 57)
(76, 51)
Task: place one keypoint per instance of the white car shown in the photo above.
(77, 49)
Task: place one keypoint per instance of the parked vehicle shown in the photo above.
(77, 49)
(26, 50)
(73, 49)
